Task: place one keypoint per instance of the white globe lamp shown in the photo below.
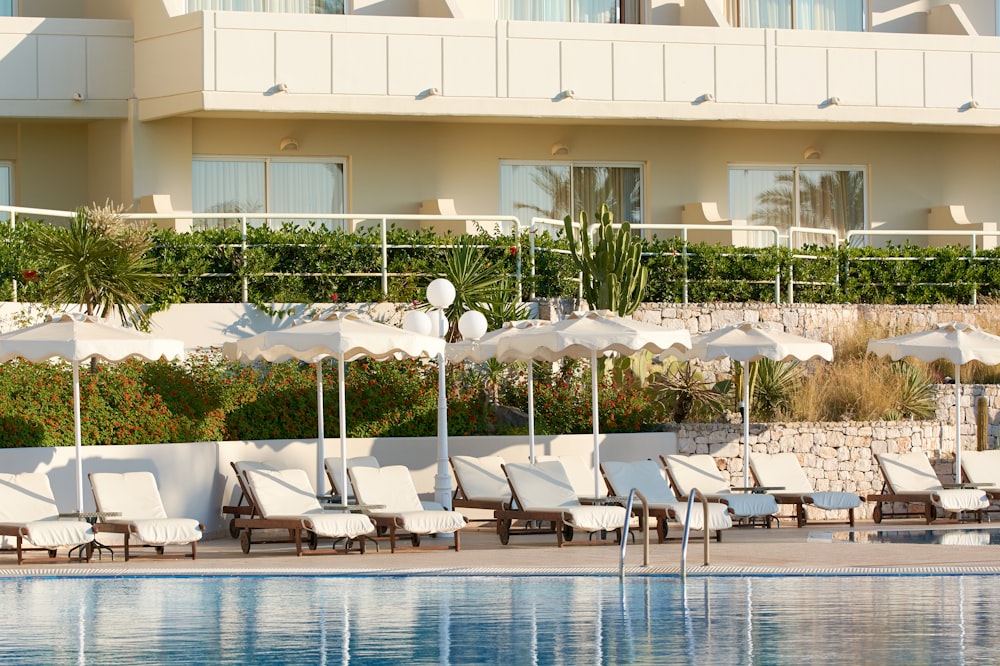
(417, 321)
(472, 325)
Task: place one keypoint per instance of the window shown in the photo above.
(6, 189)
(799, 196)
(575, 11)
(267, 186)
(554, 190)
(798, 14)
(273, 6)
(8, 7)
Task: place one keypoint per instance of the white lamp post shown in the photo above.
(441, 294)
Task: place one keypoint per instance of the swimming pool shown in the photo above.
(365, 619)
(979, 536)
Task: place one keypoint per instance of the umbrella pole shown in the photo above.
(746, 424)
(593, 406)
(342, 415)
(77, 436)
(958, 423)
(531, 412)
(321, 433)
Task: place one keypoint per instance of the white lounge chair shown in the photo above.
(393, 504)
(910, 479)
(244, 503)
(480, 482)
(647, 477)
(333, 470)
(580, 474)
(783, 470)
(543, 492)
(141, 517)
(983, 469)
(284, 499)
(29, 518)
(700, 471)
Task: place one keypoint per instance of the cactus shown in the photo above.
(613, 275)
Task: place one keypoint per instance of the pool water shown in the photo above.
(500, 620)
(952, 537)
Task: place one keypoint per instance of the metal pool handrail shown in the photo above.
(692, 496)
(645, 529)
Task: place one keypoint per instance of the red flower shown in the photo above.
(513, 250)
(30, 276)
(334, 298)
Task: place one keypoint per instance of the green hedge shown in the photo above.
(310, 265)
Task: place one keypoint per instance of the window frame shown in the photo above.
(267, 161)
(9, 167)
(796, 168)
(735, 18)
(572, 164)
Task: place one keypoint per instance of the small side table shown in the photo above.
(92, 517)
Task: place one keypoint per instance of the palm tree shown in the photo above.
(100, 261)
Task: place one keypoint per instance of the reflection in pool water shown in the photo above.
(500, 620)
(953, 537)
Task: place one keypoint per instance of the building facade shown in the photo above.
(840, 115)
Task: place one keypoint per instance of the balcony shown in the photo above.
(65, 68)
(231, 63)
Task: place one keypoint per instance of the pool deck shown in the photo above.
(744, 550)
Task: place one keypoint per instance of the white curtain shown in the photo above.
(595, 11)
(765, 13)
(227, 186)
(848, 15)
(307, 187)
(762, 197)
(532, 10)
(275, 6)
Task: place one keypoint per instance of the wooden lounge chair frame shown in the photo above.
(799, 502)
(20, 532)
(392, 528)
(889, 496)
(557, 520)
(662, 514)
(297, 533)
(128, 529)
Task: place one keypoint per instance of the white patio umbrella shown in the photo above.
(748, 342)
(589, 335)
(345, 337)
(485, 348)
(952, 341)
(78, 338)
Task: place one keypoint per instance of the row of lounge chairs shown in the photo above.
(129, 513)
(553, 496)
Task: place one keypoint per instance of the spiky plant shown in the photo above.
(684, 392)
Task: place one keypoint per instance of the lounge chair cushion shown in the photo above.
(54, 533)
(392, 488)
(748, 505)
(982, 467)
(482, 478)
(135, 496)
(696, 471)
(26, 500)
(783, 470)
(960, 499)
(163, 531)
(579, 473)
(831, 500)
(909, 472)
(647, 477)
(545, 486)
(288, 494)
(333, 470)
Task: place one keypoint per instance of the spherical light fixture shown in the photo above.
(441, 293)
(418, 322)
(472, 325)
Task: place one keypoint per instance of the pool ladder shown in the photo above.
(695, 494)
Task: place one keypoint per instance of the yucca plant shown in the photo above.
(684, 392)
(100, 261)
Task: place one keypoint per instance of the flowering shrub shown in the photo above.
(207, 399)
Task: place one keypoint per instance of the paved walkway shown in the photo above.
(743, 550)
